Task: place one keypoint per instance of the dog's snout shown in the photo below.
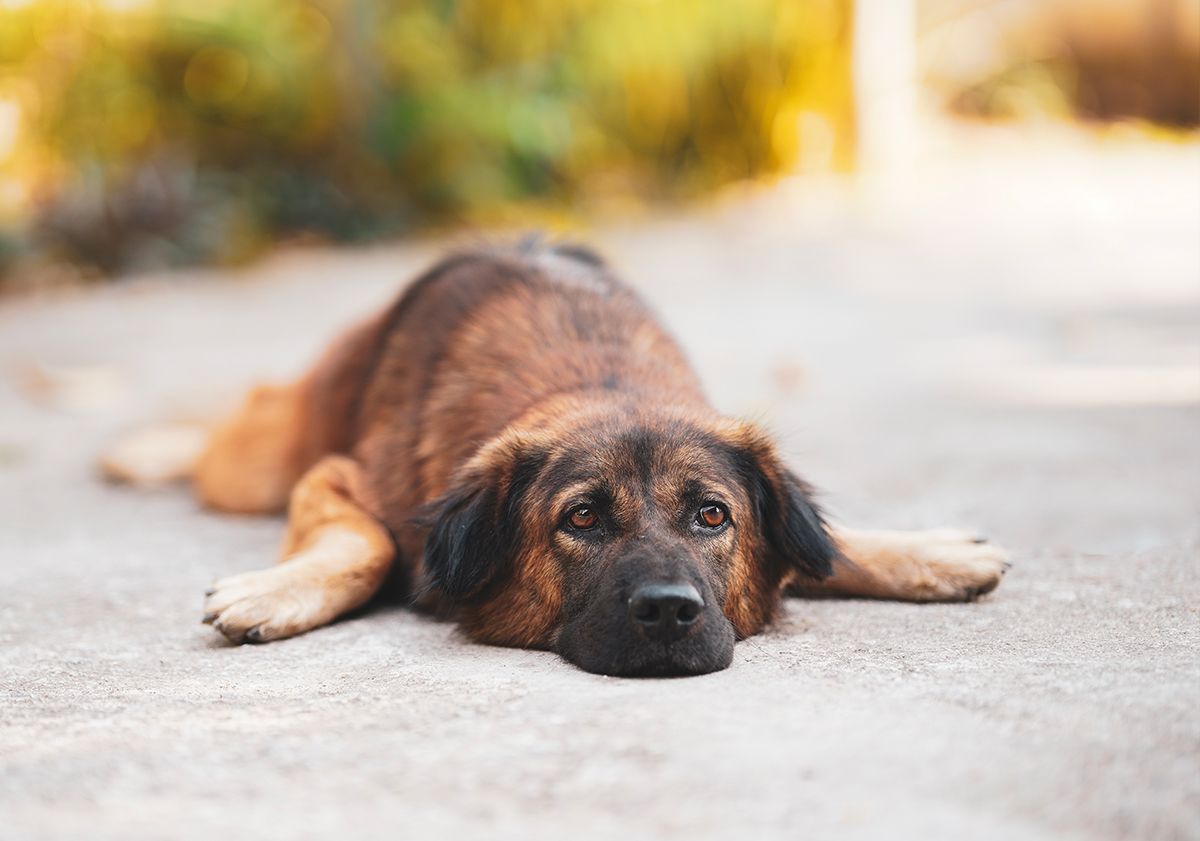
(665, 612)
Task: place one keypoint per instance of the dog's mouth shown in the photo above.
(664, 630)
(657, 661)
(667, 663)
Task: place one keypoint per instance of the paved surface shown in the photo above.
(1006, 342)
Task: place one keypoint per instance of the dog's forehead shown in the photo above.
(654, 458)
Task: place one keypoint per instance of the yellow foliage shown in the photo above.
(131, 121)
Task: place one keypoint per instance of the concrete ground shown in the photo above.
(1008, 341)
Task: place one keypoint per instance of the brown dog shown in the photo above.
(518, 440)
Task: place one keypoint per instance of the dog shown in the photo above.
(518, 444)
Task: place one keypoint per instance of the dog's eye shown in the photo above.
(711, 516)
(583, 518)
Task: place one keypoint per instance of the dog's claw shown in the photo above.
(209, 618)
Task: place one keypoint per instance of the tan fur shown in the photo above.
(335, 557)
(253, 459)
(937, 565)
(526, 613)
(751, 600)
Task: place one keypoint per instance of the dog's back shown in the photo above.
(479, 340)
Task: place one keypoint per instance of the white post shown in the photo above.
(885, 85)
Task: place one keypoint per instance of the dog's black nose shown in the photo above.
(665, 612)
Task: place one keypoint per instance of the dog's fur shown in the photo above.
(447, 441)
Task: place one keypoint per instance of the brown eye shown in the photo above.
(583, 519)
(711, 516)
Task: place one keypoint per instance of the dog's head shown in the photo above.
(633, 544)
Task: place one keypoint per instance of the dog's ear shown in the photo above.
(474, 528)
(795, 526)
(791, 522)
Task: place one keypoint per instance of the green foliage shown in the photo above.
(183, 131)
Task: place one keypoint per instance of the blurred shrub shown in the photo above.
(1101, 60)
(135, 133)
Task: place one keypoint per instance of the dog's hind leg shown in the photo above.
(249, 463)
(246, 464)
(252, 461)
(156, 455)
(938, 565)
(335, 558)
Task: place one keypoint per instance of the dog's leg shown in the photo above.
(253, 459)
(335, 557)
(939, 565)
(247, 464)
(156, 455)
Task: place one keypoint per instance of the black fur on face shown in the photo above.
(474, 528)
(796, 534)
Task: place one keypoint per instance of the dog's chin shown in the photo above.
(626, 655)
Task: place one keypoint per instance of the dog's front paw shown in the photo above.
(265, 605)
(949, 565)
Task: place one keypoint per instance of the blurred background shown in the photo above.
(947, 251)
(137, 134)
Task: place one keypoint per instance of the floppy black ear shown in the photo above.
(466, 544)
(795, 526)
(474, 528)
(791, 521)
